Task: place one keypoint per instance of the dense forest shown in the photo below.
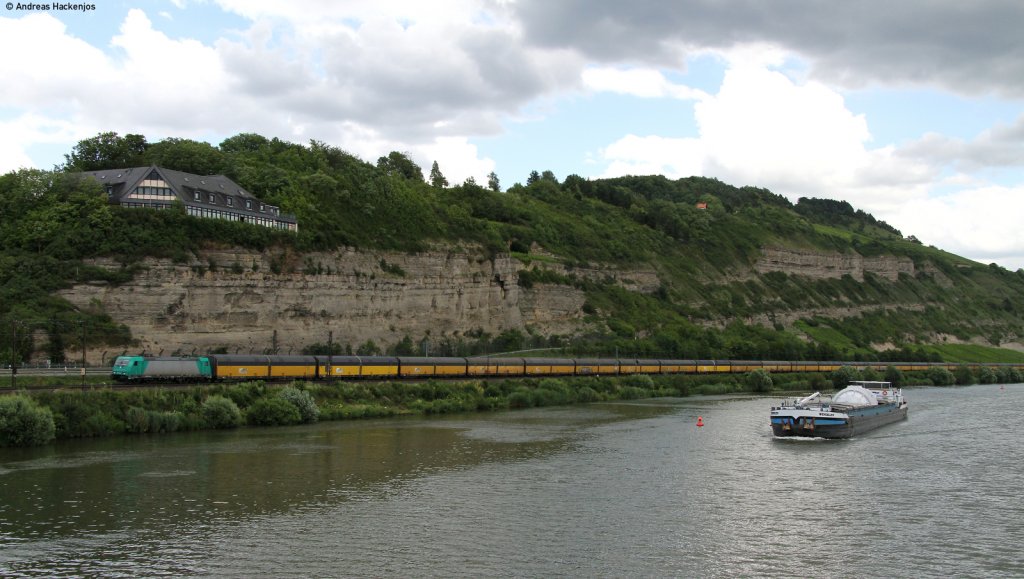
(698, 233)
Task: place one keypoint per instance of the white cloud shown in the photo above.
(764, 129)
(646, 83)
(980, 223)
(456, 158)
(653, 155)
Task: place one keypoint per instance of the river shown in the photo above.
(604, 490)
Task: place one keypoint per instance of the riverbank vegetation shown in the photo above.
(30, 418)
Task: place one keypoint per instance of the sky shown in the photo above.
(912, 111)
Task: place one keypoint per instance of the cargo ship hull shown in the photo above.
(860, 407)
(838, 424)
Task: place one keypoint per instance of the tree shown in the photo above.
(760, 380)
(243, 143)
(400, 165)
(533, 178)
(187, 155)
(492, 182)
(23, 422)
(107, 151)
(894, 376)
(963, 375)
(436, 178)
(842, 377)
(369, 348)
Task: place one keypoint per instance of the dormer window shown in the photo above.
(263, 208)
(213, 199)
(230, 201)
(198, 196)
(248, 204)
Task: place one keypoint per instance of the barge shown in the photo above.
(856, 409)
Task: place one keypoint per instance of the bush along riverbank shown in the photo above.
(30, 418)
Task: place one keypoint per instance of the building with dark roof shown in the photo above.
(211, 197)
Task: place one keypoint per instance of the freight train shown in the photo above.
(217, 367)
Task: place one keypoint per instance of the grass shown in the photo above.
(828, 335)
(972, 353)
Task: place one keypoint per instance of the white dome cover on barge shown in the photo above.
(855, 396)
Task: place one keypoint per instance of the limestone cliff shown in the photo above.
(248, 301)
(832, 265)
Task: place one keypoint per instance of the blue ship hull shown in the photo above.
(839, 424)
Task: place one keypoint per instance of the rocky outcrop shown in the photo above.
(832, 265)
(249, 301)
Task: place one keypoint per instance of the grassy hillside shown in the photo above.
(700, 235)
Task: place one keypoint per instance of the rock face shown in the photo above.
(249, 302)
(233, 299)
(832, 265)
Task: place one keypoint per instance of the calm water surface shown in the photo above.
(607, 490)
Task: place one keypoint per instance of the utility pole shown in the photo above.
(82, 322)
(14, 354)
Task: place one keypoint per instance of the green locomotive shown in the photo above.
(141, 369)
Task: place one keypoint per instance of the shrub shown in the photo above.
(521, 398)
(303, 402)
(633, 393)
(841, 378)
(100, 424)
(759, 380)
(246, 393)
(964, 376)
(870, 374)
(941, 376)
(136, 420)
(1007, 375)
(274, 411)
(587, 394)
(639, 381)
(165, 421)
(894, 375)
(221, 412)
(24, 423)
(986, 375)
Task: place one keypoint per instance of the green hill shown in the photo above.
(742, 272)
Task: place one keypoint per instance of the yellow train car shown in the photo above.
(495, 366)
(829, 366)
(236, 366)
(780, 366)
(744, 366)
(628, 366)
(300, 367)
(549, 366)
(596, 367)
(357, 366)
(705, 366)
(649, 366)
(378, 367)
(428, 367)
(679, 366)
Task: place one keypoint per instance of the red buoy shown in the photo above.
(700, 421)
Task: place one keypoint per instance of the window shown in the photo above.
(213, 199)
(230, 202)
(263, 208)
(248, 204)
(198, 196)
